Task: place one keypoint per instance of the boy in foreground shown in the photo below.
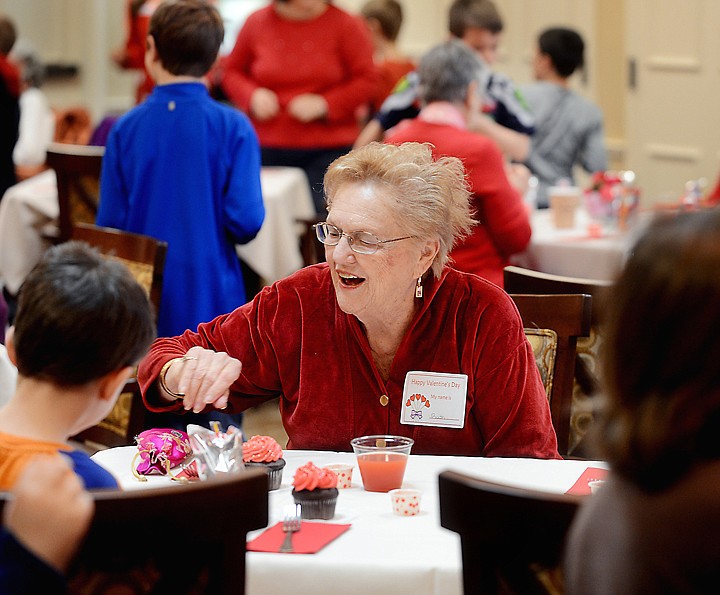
(82, 325)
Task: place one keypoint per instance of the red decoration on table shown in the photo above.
(311, 538)
(582, 486)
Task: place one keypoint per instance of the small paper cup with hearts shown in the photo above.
(405, 502)
(344, 473)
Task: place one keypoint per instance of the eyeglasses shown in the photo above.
(362, 242)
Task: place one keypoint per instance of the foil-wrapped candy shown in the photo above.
(216, 452)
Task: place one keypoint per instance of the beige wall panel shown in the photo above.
(673, 124)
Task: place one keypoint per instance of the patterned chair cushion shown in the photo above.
(544, 345)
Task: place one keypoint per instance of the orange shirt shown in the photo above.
(16, 451)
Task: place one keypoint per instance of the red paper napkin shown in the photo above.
(311, 538)
(582, 486)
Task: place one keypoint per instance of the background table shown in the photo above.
(573, 252)
(381, 552)
(275, 252)
(31, 206)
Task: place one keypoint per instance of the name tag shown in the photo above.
(434, 399)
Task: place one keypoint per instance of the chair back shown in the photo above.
(512, 538)
(520, 280)
(311, 249)
(181, 538)
(568, 317)
(145, 258)
(143, 255)
(77, 168)
(587, 362)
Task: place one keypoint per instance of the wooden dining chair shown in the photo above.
(180, 538)
(77, 168)
(553, 324)
(587, 361)
(512, 538)
(145, 258)
(311, 249)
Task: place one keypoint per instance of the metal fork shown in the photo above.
(292, 520)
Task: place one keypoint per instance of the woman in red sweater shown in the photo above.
(451, 79)
(301, 69)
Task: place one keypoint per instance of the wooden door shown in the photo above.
(673, 122)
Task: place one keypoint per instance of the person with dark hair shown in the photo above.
(384, 19)
(652, 527)
(451, 88)
(185, 169)
(9, 104)
(478, 24)
(569, 128)
(82, 324)
(301, 69)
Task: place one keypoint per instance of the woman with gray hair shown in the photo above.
(451, 83)
(352, 346)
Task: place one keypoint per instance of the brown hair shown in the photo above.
(188, 35)
(388, 14)
(8, 35)
(431, 197)
(80, 316)
(480, 14)
(662, 359)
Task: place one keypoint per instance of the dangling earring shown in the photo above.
(418, 288)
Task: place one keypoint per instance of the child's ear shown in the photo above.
(111, 384)
(10, 345)
(150, 50)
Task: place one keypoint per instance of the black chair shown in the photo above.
(512, 539)
(182, 538)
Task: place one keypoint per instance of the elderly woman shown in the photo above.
(345, 343)
(451, 87)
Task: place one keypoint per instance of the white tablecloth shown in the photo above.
(573, 252)
(275, 253)
(31, 205)
(25, 209)
(382, 552)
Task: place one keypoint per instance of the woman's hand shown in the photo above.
(204, 376)
(519, 176)
(308, 107)
(264, 104)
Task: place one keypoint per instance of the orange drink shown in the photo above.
(382, 471)
(382, 460)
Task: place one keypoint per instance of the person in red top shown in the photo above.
(451, 78)
(384, 19)
(714, 197)
(341, 342)
(301, 69)
(132, 55)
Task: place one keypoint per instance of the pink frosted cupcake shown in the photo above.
(315, 490)
(265, 452)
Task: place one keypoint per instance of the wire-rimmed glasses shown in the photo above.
(362, 242)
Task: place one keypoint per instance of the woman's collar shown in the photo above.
(443, 112)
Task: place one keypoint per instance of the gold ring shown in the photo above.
(188, 358)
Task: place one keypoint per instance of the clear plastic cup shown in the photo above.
(382, 460)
